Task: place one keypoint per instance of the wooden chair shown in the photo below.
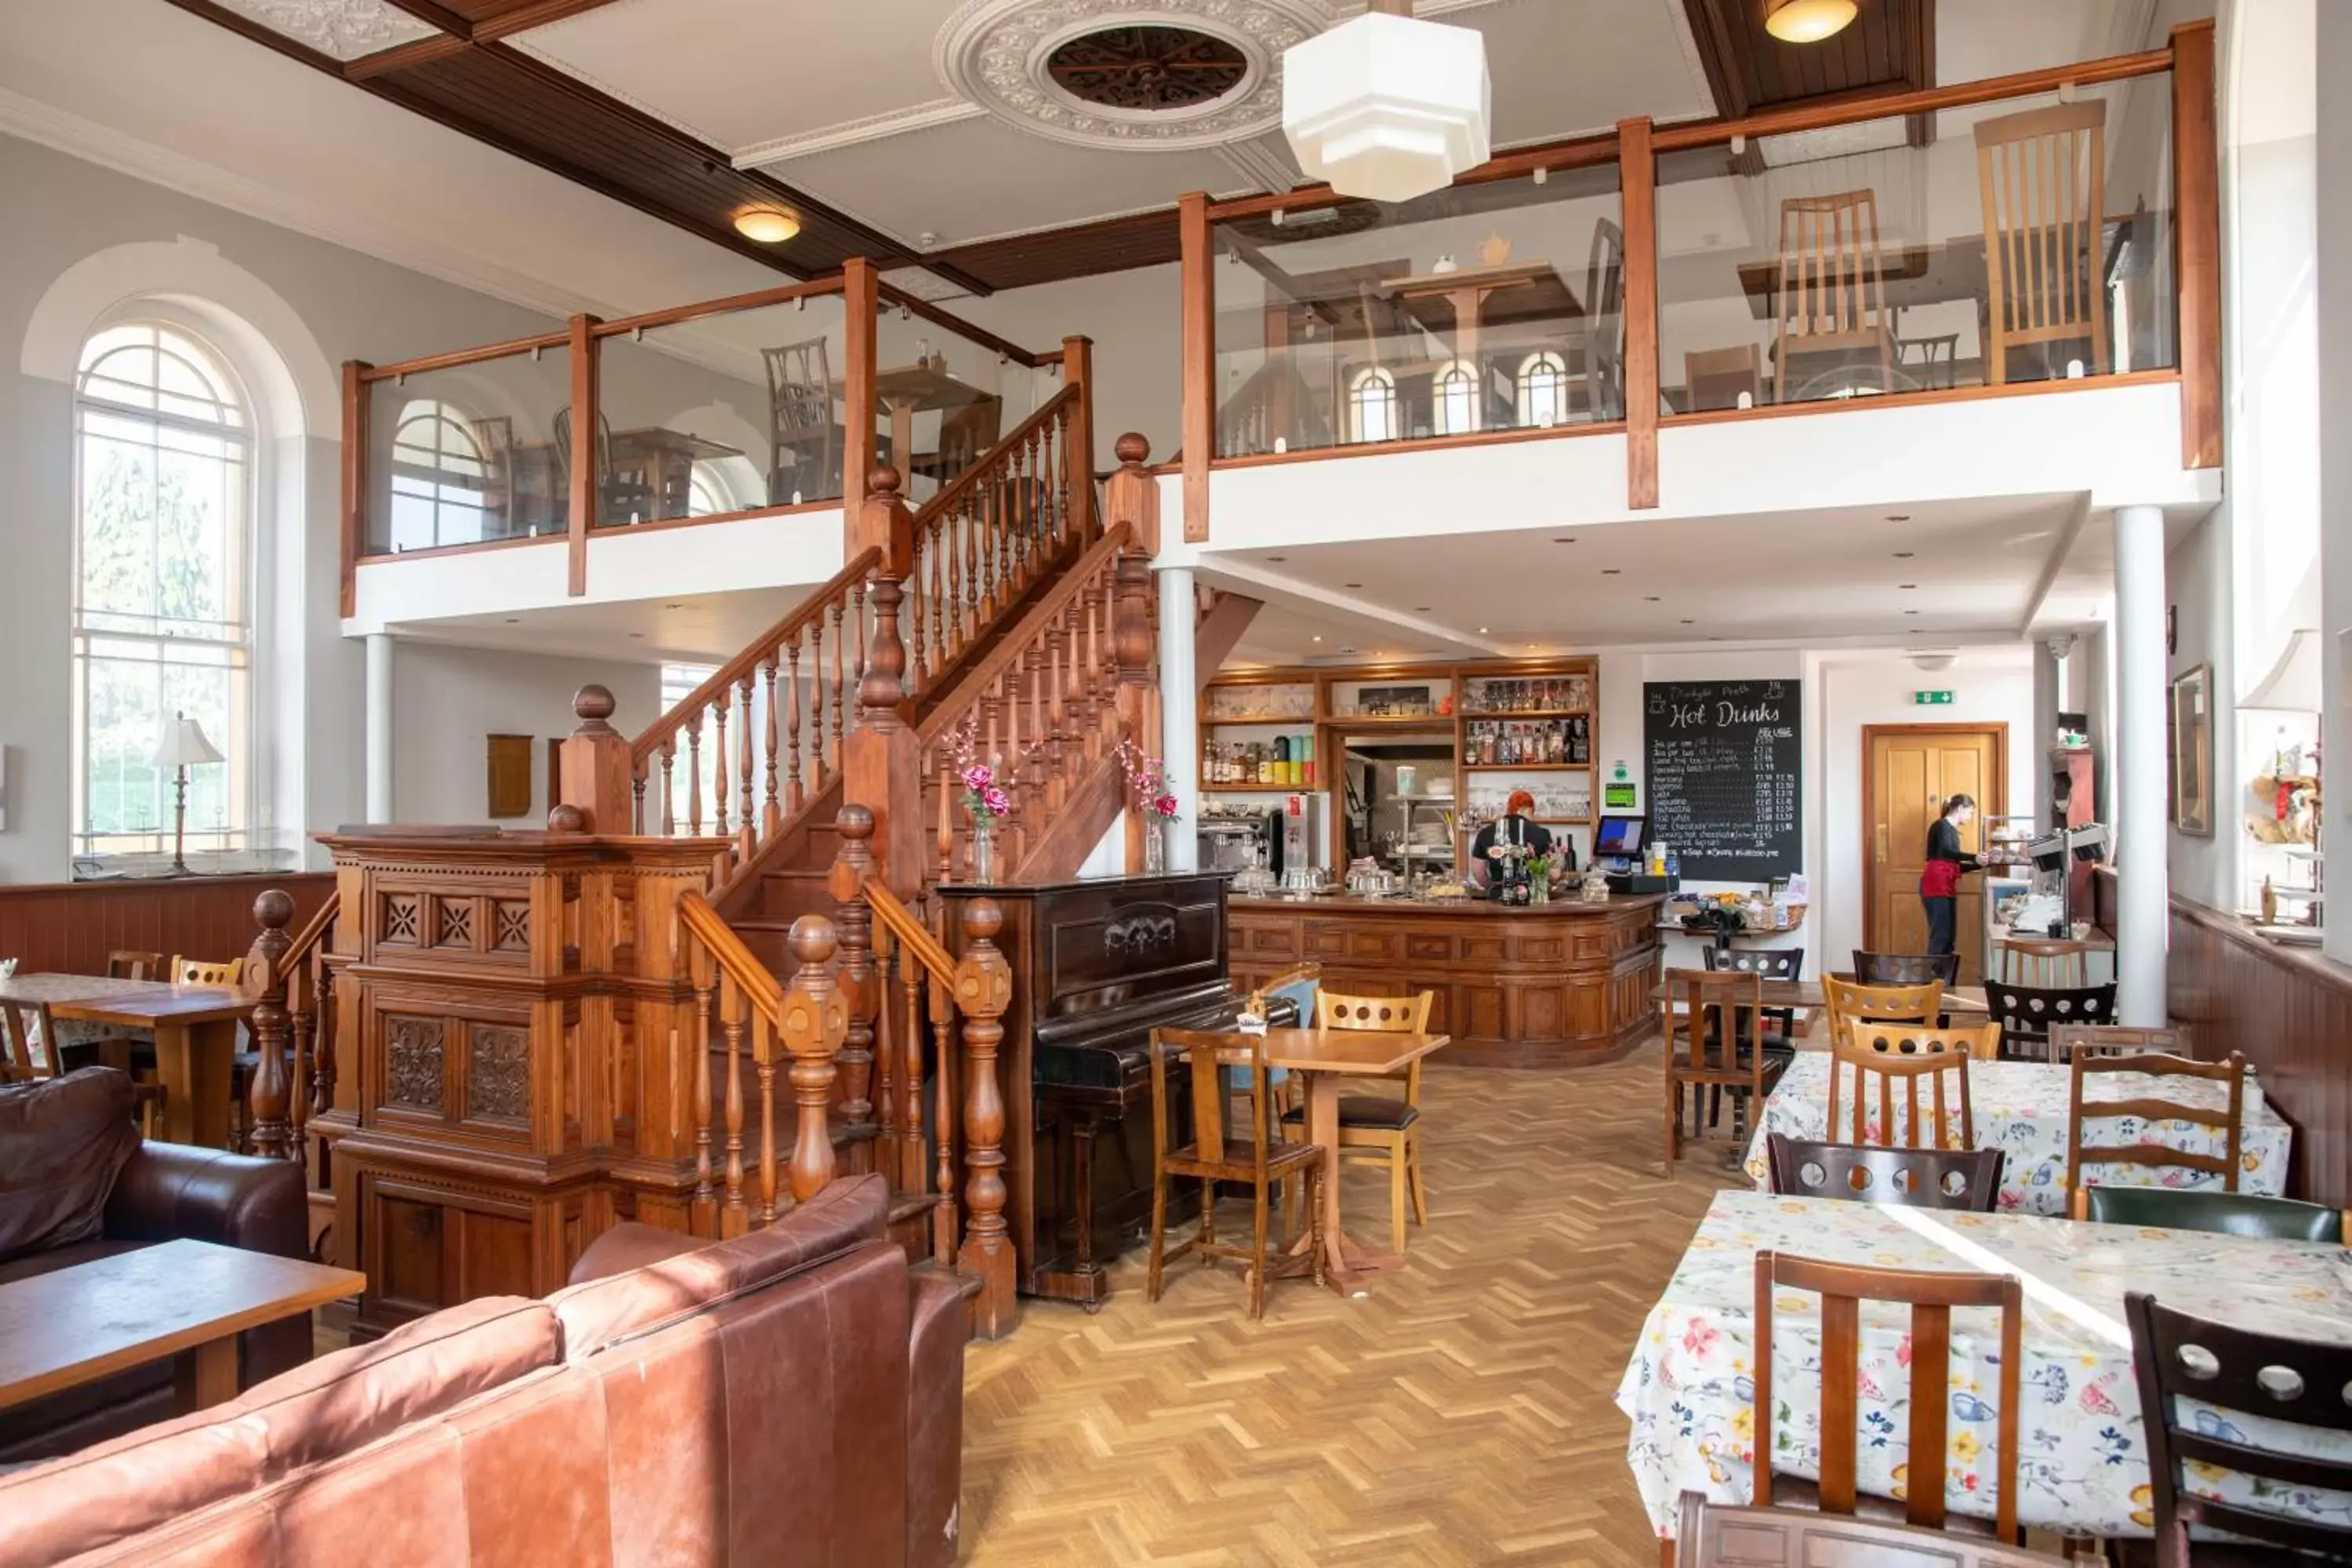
(1769, 963)
(1906, 968)
(801, 423)
(2046, 963)
(2217, 1368)
(129, 964)
(494, 437)
(28, 1050)
(1905, 1054)
(1718, 1011)
(1850, 1002)
(2222, 1214)
(2068, 1041)
(1968, 1180)
(1714, 378)
(1932, 1295)
(1719, 1535)
(1379, 1129)
(965, 437)
(1831, 299)
(1212, 1158)
(2231, 1122)
(2042, 178)
(2027, 1013)
(1601, 338)
(620, 498)
(202, 972)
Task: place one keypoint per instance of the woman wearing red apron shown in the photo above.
(1939, 880)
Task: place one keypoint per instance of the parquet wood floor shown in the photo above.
(1457, 1415)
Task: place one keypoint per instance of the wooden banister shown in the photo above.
(1006, 654)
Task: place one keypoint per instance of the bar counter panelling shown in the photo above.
(1558, 984)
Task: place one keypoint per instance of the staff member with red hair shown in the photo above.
(1940, 879)
(1515, 826)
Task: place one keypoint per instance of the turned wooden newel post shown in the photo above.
(1132, 494)
(270, 1099)
(814, 1023)
(593, 766)
(1132, 647)
(878, 758)
(853, 921)
(983, 989)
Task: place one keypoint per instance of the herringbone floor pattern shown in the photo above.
(1460, 1413)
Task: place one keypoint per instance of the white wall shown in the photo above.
(2199, 584)
(447, 701)
(2335, 338)
(1136, 319)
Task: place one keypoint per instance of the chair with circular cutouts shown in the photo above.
(1963, 1179)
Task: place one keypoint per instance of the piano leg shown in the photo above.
(1075, 1276)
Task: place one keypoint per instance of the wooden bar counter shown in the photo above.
(1555, 984)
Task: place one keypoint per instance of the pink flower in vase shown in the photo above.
(1165, 806)
(978, 777)
(995, 801)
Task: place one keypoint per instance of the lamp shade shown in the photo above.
(1387, 107)
(2292, 684)
(184, 745)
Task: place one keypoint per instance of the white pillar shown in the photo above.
(1180, 717)
(379, 727)
(2137, 651)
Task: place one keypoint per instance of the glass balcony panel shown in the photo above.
(942, 399)
(469, 454)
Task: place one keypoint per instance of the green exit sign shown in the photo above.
(1932, 699)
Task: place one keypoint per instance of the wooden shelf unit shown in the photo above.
(1450, 683)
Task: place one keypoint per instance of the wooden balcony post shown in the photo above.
(270, 1098)
(1079, 371)
(1132, 494)
(2196, 207)
(861, 303)
(1200, 350)
(853, 921)
(879, 757)
(815, 1023)
(593, 767)
(586, 448)
(355, 494)
(1638, 184)
(983, 989)
(1133, 644)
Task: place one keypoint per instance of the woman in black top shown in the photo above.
(1939, 880)
(1514, 827)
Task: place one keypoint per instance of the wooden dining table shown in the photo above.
(1325, 1060)
(1458, 306)
(1958, 1000)
(196, 1038)
(906, 390)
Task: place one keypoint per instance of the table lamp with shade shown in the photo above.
(184, 746)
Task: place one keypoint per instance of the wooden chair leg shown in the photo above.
(1257, 1254)
(1674, 1120)
(1396, 1197)
(1159, 1238)
(1208, 1217)
(1315, 1180)
(1412, 1169)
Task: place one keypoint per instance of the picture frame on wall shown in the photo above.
(2190, 739)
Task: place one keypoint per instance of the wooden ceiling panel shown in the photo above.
(1891, 44)
(1080, 250)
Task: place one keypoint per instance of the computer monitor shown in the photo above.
(1619, 837)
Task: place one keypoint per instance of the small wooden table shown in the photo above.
(196, 1038)
(184, 1299)
(1324, 1058)
(1528, 291)
(908, 390)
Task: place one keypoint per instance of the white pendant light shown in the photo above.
(1808, 21)
(1387, 107)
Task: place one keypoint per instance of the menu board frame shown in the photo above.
(1747, 729)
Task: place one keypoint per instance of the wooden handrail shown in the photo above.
(904, 924)
(456, 357)
(954, 323)
(962, 485)
(727, 951)
(758, 298)
(1009, 650)
(314, 929)
(749, 657)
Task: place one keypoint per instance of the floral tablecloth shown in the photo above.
(1689, 1388)
(2022, 1108)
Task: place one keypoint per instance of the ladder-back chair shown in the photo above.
(1831, 299)
(2042, 178)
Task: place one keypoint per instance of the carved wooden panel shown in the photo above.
(453, 922)
(398, 921)
(1482, 1011)
(498, 1073)
(1539, 949)
(1324, 942)
(1479, 949)
(1274, 941)
(510, 925)
(413, 1077)
(1428, 945)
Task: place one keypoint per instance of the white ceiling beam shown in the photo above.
(852, 133)
(2061, 548)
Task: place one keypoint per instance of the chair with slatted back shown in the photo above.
(1849, 1001)
(27, 1042)
(1600, 333)
(2045, 962)
(1717, 378)
(621, 498)
(494, 439)
(2194, 1375)
(1720, 1536)
(1931, 1295)
(1906, 968)
(1379, 1129)
(2027, 1013)
(1831, 299)
(1962, 1179)
(1718, 1011)
(1887, 1055)
(2228, 1121)
(2041, 175)
(2068, 1041)
(1258, 1162)
(131, 964)
(806, 434)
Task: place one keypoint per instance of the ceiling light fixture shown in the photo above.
(1482, 631)
(1898, 517)
(1808, 21)
(1319, 636)
(769, 226)
(1903, 555)
(1385, 106)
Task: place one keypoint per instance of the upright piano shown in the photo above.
(1097, 965)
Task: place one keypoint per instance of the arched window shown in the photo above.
(163, 594)
(440, 477)
(1543, 389)
(1373, 405)
(1455, 398)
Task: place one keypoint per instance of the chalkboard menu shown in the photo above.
(1725, 762)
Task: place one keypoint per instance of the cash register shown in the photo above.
(1617, 846)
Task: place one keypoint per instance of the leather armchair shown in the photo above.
(165, 1192)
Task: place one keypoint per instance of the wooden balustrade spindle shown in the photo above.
(947, 1229)
(852, 936)
(972, 619)
(907, 1175)
(733, 1004)
(921, 650)
(792, 797)
(940, 610)
(1009, 699)
(694, 776)
(841, 687)
(947, 818)
(270, 1096)
(882, 989)
(859, 632)
(771, 814)
(746, 832)
(764, 1062)
(1074, 690)
(669, 787)
(700, 959)
(817, 774)
(636, 798)
(983, 989)
(815, 1023)
(719, 764)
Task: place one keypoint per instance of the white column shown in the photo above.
(2143, 901)
(1180, 717)
(379, 727)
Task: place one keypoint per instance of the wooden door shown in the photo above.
(1909, 770)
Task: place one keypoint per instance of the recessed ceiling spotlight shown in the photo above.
(1350, 649)
(1352, 585)
(1276, 560)
(514, 620)
(1902, 555)
(639, 635)
(1612, 572)
(768, 225)
(1906, 585)
(1910, 612)
(1482, 631)
(1898, 517)
(1565, 539)
(1649, 598)
(1421, 609)
(1807, 21)
(1319, 636)
(1690, 622)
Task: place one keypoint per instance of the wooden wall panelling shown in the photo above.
(1891, 44)
(2197, 209)
(68, 928)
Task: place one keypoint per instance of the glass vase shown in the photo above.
(1155, 846)
(1539, 889)
(983, 850)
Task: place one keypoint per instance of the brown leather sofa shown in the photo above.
(791, 1396)
(76, 1184)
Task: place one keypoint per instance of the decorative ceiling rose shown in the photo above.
(1147, 68)
(346, 30)
(1807, 21)
(1029, 63)
(1386, 106)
